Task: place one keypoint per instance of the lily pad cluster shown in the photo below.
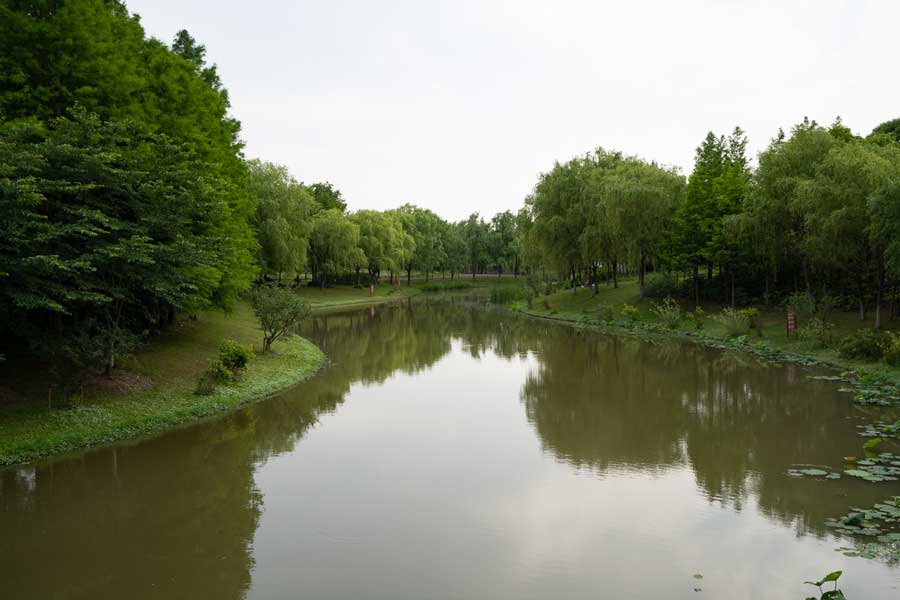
(884, 467)
(812, 471)
(881, 522)
(869, 388)
(881, 430)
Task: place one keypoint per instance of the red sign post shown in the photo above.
(791, 324)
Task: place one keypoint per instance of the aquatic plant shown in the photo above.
(833, 594)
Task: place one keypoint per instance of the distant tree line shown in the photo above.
(819, 215)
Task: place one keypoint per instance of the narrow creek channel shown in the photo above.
(454, 452)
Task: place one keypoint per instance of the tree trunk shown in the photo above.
(732, 288)
(879, 293)
(615, 266)
(642, 268)
(697, 285)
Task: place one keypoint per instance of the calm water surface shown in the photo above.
(451, 452)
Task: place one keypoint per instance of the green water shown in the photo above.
(454, 452)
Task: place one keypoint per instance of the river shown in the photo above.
(449, 451)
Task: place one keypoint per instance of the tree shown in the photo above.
(890, 129)
(380, 239)
(327, 196)
(283, 216)
(279, 311)
(475, 235)
(105, 223)
(503, 244)
(424, 227)
(697, 217)
(333, 245)
(455, 249)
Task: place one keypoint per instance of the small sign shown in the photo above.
(791, 323)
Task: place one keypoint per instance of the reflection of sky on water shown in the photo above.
(439, 487)
(456, 453)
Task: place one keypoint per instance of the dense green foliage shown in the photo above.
(816, 224)
(125, 200)
(279, 312)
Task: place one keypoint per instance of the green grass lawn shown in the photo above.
(343, 295)
(151, 392)
(568, 306)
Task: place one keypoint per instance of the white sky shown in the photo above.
(458, 105)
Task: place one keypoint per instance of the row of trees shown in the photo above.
(820, 213)
(125, 197)
(298, 235)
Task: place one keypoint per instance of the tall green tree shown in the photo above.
(283, 219)
(333, 245)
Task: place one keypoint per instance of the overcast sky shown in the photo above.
(458, 105)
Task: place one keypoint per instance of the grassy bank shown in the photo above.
(348, 295)
(151, 392)
(581, 307)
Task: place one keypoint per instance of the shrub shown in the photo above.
(699, 315)
(819, 332)
(235, 356)
(865, 344)
(660, 285)
(668, 312)
(631, 313)
(801, 304)
(606, 313)
(752, 316)
(505, 294)
(891, 350)
(215, 374)
(734, 321)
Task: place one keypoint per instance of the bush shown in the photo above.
(752, 316)
(865, 344)
(891, 350)
(668, 312)
(235, 356)
(505, 294)
(605, 313)
(215, 374)
(631, 313)
(819, 332)
(699, 315)
(735, 322)
(801, 304)
(660, 285)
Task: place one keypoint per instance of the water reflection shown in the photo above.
(266, 503)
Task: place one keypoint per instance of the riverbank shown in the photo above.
(151, 392)
(604, 311)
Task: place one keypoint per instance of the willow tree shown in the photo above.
(283, 219)
(333, 245)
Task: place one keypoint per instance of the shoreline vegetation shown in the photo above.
(153, 391)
